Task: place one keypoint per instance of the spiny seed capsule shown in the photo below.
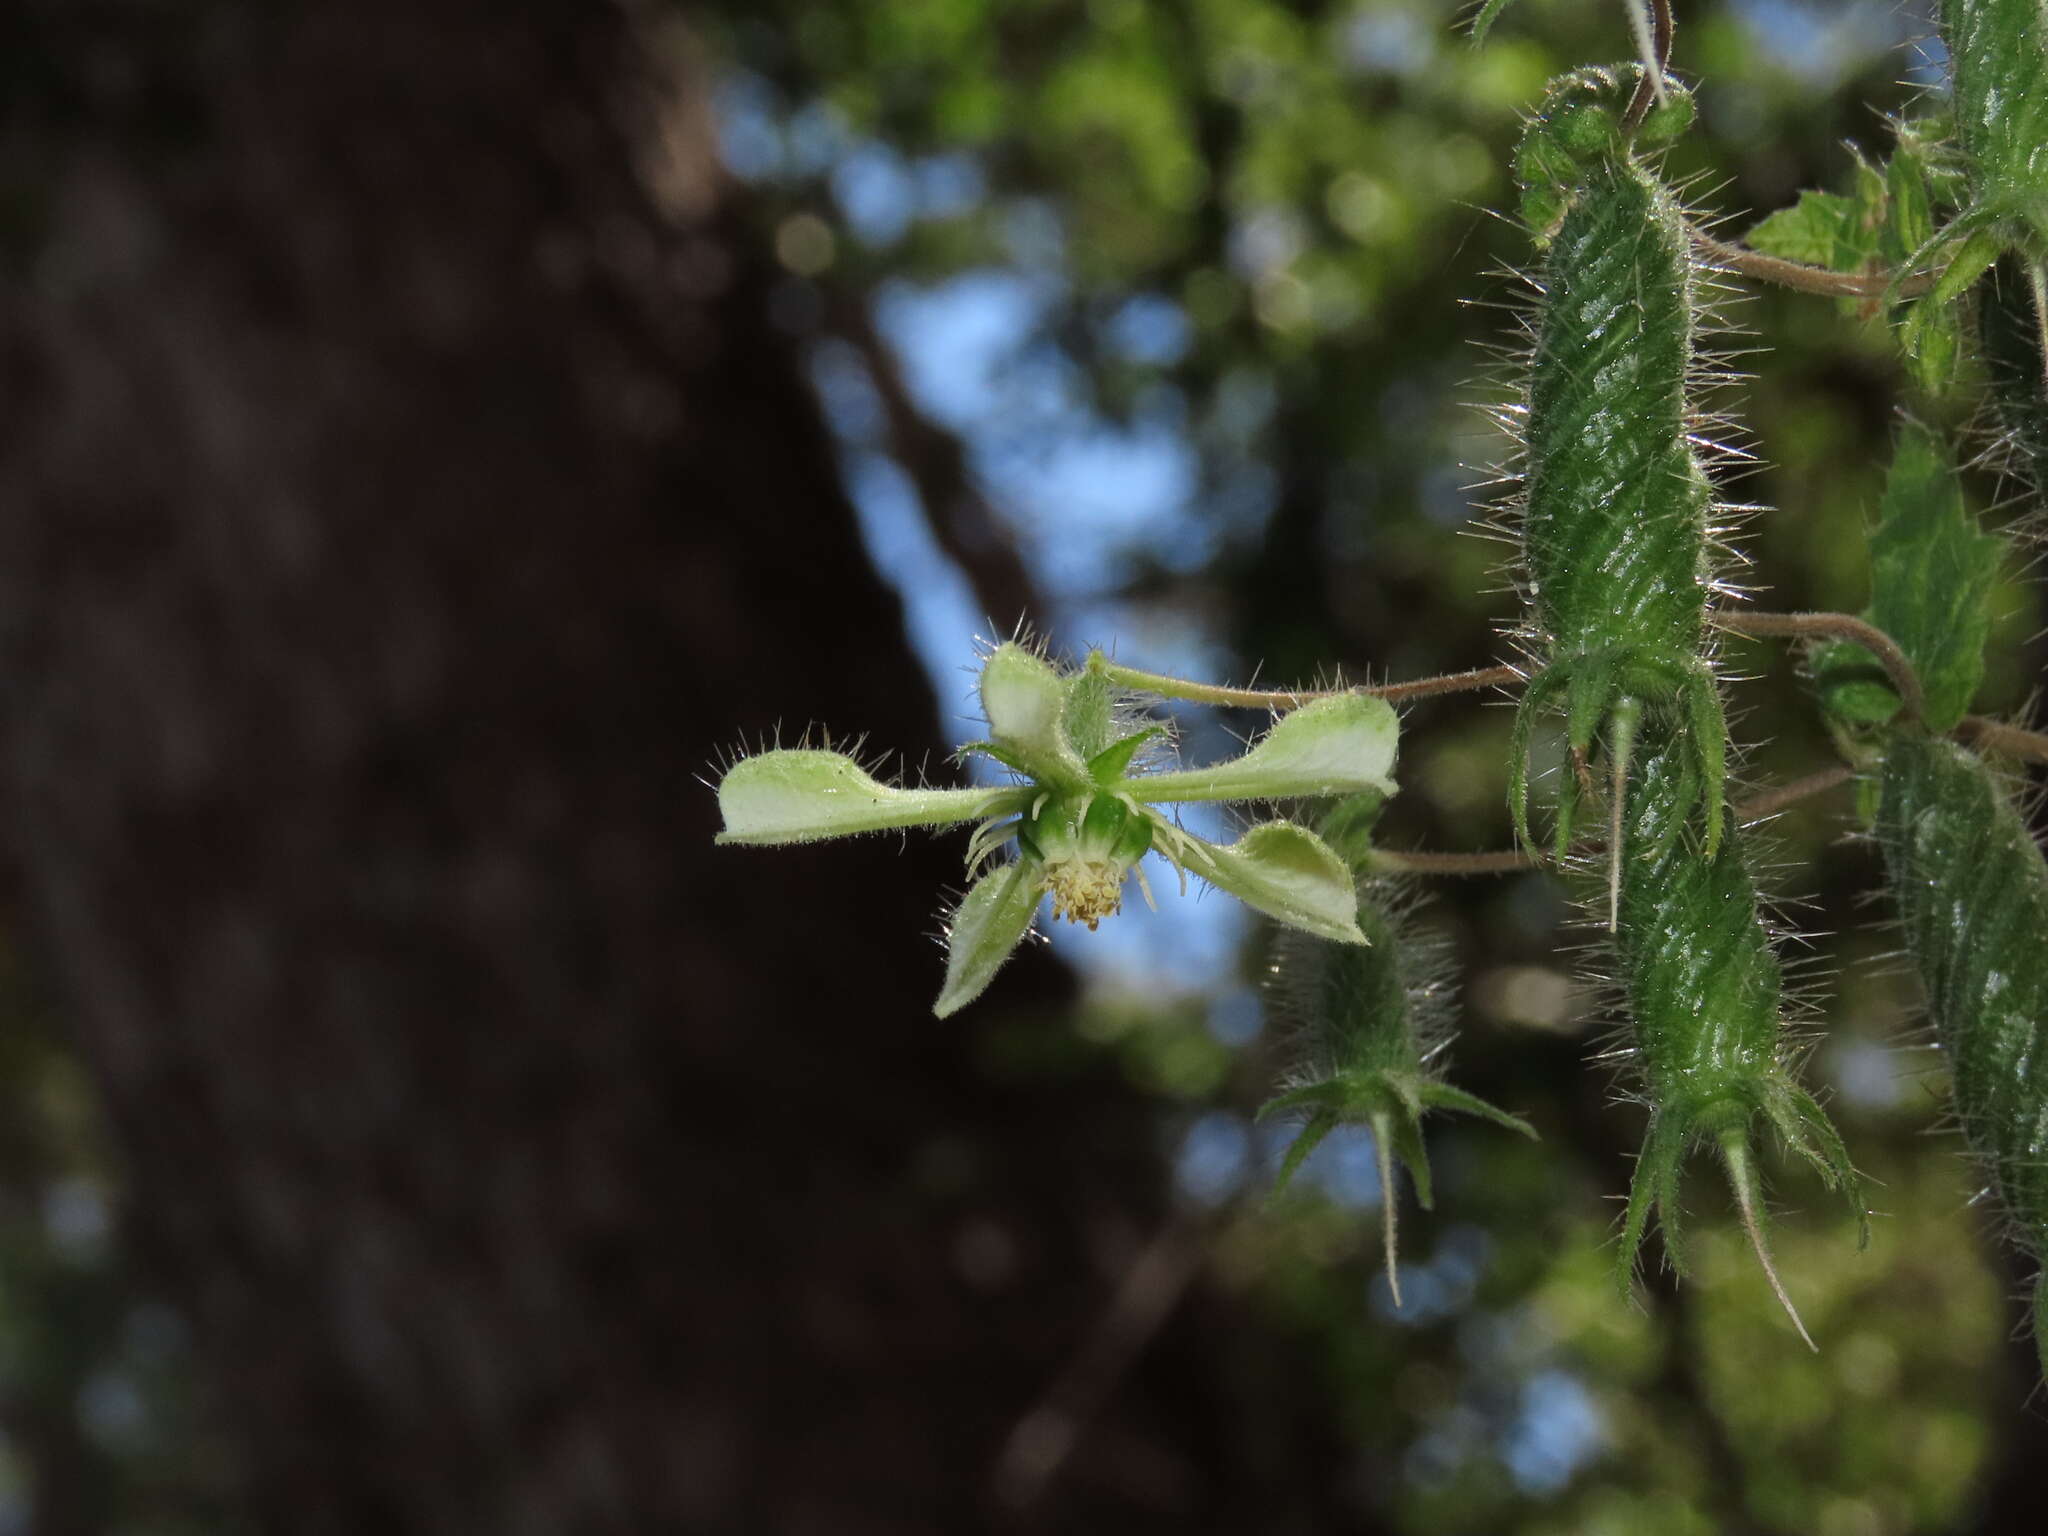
(2010, 305)
(1369, 1028)
(1998, 51)
(1614, 531)
(1704, 993)
(1971, 890)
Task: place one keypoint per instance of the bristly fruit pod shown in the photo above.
(2011, 303)
(1614, 524)
(1369, 1026)
(1704, 996)
(1971, 890)
(1577, 125)
(1998, 59)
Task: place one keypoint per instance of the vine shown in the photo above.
(1617, 522)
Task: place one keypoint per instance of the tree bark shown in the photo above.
(406, 496)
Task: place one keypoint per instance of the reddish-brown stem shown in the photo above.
(1282, 698)
(1802, 278)
(1771, 801)
(2009, 739)
(1837, 626)
(1406, 862)
(1661, 28)
(1448, 682)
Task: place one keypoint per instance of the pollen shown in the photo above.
(1085, 890)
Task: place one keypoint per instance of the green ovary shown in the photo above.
(1615, 529)
(1086, 844)
(1704, 993)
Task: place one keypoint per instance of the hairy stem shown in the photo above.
(1836, 626)
(2009, 739)
(1506, 862)
(1802, 278)
(1651, 90)
(1282, 699)
(1771, 801)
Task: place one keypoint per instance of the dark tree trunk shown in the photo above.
(403, 494)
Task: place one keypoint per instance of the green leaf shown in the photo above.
(1282, 870)
(1334, 746)
(1932, 570)
(1976, 249)
(986, 929)
(1932, 339)
(1823, 229)
(801, 796)
(1909, 202)
(1025, 701)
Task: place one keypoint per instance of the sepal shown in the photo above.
(1285, 871)
(986, 929)
(801, 795)
(1334, 746)
(1025, 701)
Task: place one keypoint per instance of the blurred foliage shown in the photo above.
(1265, 228)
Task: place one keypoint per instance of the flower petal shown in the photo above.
(987, 926)
(1284, 871)
(799, 796)
(1025, 700)
(1334, 746)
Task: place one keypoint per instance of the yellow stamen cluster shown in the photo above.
(1085, 890)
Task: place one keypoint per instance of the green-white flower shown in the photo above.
(1079, 814)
